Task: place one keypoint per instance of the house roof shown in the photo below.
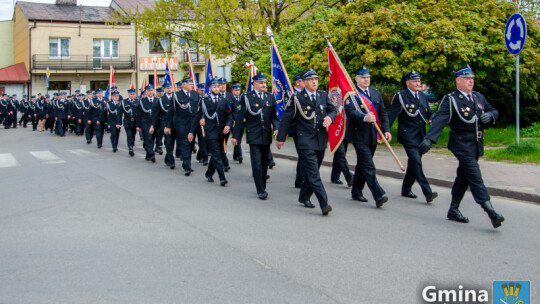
(16, 73)
(66, 13)
(132, 5)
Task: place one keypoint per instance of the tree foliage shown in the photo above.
(228, 27)
(432, 37)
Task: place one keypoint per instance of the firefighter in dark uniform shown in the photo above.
(313, 113)
(236, 98)
(62, 113)
(223, 94)
(160, 111)
(468, 113)
(300, 174)
(363, 135)
(113, 110)
(96, 116)
(17, 105)
(40, 114)
(260, 111)
(410, 106)
(215, 117)
(144, 122)
(158, 134)
(128, 111)
(202, 152)
(32, 112)
(77, 110)
(179, 121)
(88, 128)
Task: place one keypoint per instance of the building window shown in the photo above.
(58, 86)
(224, 71)
(58, 47)
(105, 48)
(160, 44)
(99, 84)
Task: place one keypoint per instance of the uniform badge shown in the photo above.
(466, 114)
(256, 104)
(267, 103)
(322, 107)
(305, 95)
(410, 110)
(412, 106)
(426, 110)
(468, 109)
(460, 96)
(305, 112)
(308, 107)
(407, 106)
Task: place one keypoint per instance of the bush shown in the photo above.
(532, 131)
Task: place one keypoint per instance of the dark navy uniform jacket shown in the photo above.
(364, 132)
(311, 133)
(260, 114)
(184, 108)
(161, 109)
(129, 109)
(145, 111)
(98, 110)
(115, 114)
(214, 125)
(463, 116)
(413, 115)
(62, 109)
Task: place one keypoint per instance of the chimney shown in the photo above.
(66, 2)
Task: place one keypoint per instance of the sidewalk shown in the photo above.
(521, 182)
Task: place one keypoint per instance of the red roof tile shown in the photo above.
(16, 73)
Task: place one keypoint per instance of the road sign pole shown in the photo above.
(517, 98)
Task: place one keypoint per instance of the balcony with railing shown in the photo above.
(82, 62)
(197, 58)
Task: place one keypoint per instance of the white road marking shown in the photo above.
(47, 157)
(82, 152)
(7, 160)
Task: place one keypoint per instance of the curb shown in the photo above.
(528, 197)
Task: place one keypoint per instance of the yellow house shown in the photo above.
(78, 47)
(75, 43)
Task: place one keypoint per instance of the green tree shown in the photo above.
(228, 27)
(434, 38)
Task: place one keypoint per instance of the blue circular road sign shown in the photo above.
(515, 33)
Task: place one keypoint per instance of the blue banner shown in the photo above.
(167, 77)
(280, 85)
(209, 76)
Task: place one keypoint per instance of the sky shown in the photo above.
(7, 6)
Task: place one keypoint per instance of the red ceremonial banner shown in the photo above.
(339, 89)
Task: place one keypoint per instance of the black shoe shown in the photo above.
(131, 153)
(240, 159)
(187, 172)
(99, 147)
(431, 197)
(226, 169)
(350, 181)
(298, 184)
(307, 204)
(194, 150)
(409, 194)
(454, 214)
(271, 165)
(210, 179)
(115, 149)
(88, 141)
(381, 201)
(360, 198)
(496, 219)
(153, 158)
(172, 166)
(263, 195)
(337, 181)
(267, 176)
(326, 210)
(223, 182)
(205, 163)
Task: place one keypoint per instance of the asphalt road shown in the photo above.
(82, 225)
